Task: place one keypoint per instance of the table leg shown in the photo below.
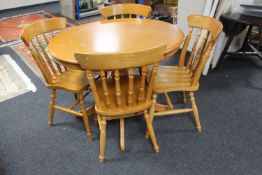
(260, 38)
(222, 59)
(75, 96)
(256, 51)
(245, 43)
(91, 110)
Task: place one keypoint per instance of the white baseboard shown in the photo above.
(9, 4)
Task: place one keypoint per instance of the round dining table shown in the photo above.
(114, 36)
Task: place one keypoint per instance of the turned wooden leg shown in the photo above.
(52, 109)
(75, 104)
(169, 103)
(183, 95)
(99, 121)
(195, 111)
(151, 113)
(122, 134)
(102, 140)
(151, 131)
(84, 116)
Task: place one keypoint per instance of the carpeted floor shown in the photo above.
(229, 103)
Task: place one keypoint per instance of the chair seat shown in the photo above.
(172, 78)
(124, 109)
(71, 80)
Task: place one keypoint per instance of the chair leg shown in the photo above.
(151, 113)
(151, 132)
(84, 116)
(52, 109)
(122, 134)
(183, 95)
(195, 111)
(75, 96)
(102, 140)
(169, 103)
(99, 121)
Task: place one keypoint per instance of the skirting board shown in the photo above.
(13, 4)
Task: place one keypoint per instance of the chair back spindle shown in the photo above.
(36, 37)
(117, 87)
(125, 91)
(131, 86)
(141, 96)
(105, 88)
(208, 30)
(128, 10)
(184, 77)
(190, 59)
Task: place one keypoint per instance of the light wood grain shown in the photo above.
(36, 36)
(185, 76)
(128, 10)
(122, 134)
(118, 89)
(121, 36)
(102, 140)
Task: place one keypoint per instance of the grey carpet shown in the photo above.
(229, 103)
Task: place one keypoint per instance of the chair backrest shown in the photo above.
(138, 91)
(208, 30)
(36, 37)
(125, 11)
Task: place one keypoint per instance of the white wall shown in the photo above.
(187, 7)
(7, 4)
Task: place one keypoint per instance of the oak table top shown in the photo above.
(122, 35)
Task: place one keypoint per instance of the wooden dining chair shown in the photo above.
(125, 11)
(36, 37)
(119, 97)
(185, 76)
